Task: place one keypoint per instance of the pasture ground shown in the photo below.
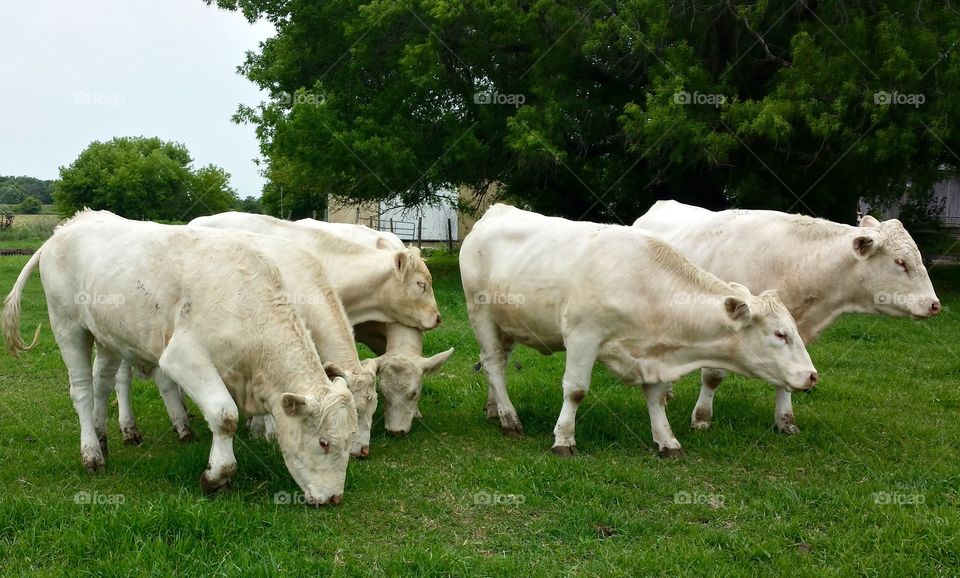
(871, 486)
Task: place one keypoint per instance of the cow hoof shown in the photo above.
(788, 429)
(132, 436)
(671, 453)
(208, 486)
(701, 425)
(565, 451)
(510, 426)
(186, 437)
(94, 464)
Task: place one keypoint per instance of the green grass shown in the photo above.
(884, 419)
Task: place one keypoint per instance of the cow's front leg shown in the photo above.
(128, 423)
(710, 380)
(667, 444)
(184, 363)
(104, 375)
(783, 415)
(576, 384)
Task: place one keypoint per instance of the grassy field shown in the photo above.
(871, 486)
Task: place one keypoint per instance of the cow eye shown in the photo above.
(422, 285)
(324, 445)
(782, 336)
(902, 264)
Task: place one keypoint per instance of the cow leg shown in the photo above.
(576, 384)
(76, 348)
(493, 412)
(667, 444)
(128, 423)
(105, 366)
(783, 416)
(710, 380)
(185, 363)
(173, 401)
(493, 357)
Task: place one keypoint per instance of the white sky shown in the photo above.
(72, 72)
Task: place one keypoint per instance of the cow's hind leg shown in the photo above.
(493, 412)
(783, 417)
(173, 401)
(493, 358)
(576, 384)
(76, 347)
(184, 362)
(128, 423)
(667, 444)
(710, 380)
(104, 376)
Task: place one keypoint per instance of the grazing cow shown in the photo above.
(317, 303)
(621, 296)
(211, 313)
(401, 364)
(820, 269)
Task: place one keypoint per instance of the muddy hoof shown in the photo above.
(132, 437)
(788, 429)
(701, 425)
(95, 465)
(565, 451)
(515, 432)
(208, 486)
(187, 437)
(671, 453)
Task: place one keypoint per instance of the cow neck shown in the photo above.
(291, 365)
(403, 339)
(360, 280)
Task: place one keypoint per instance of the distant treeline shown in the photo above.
(14, 189)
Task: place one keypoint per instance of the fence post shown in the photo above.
(420, 232)
(449, 235)
(391, 225)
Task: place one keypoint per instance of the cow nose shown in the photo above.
(934, 308)
(335, 500)
(364, 451)
(397, 433)
(814, 378)
(438, 319)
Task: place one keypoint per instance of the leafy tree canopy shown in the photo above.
(596, 109)
(14, 189)
(142, 178)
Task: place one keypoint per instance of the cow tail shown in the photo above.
(11, 311)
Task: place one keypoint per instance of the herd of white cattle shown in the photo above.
(255, 315)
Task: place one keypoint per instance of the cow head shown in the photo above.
(315, 432)
(767, 343)
(409, 291)
(401, 381)
(892, 272)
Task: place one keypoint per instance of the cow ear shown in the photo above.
(400, 260)
(332, 370)
(864, 246)
(772, 293)
(868, 221)
(429, 364)
(737, 309)
(383, 244)
(293, 403)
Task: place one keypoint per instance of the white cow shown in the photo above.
(316, 302)
(821, 269)
(621, 296)
(401, 364)
(212, 314)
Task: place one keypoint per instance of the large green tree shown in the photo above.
(142, 178)
(595, 109)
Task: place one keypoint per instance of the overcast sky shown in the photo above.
(72, 72)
